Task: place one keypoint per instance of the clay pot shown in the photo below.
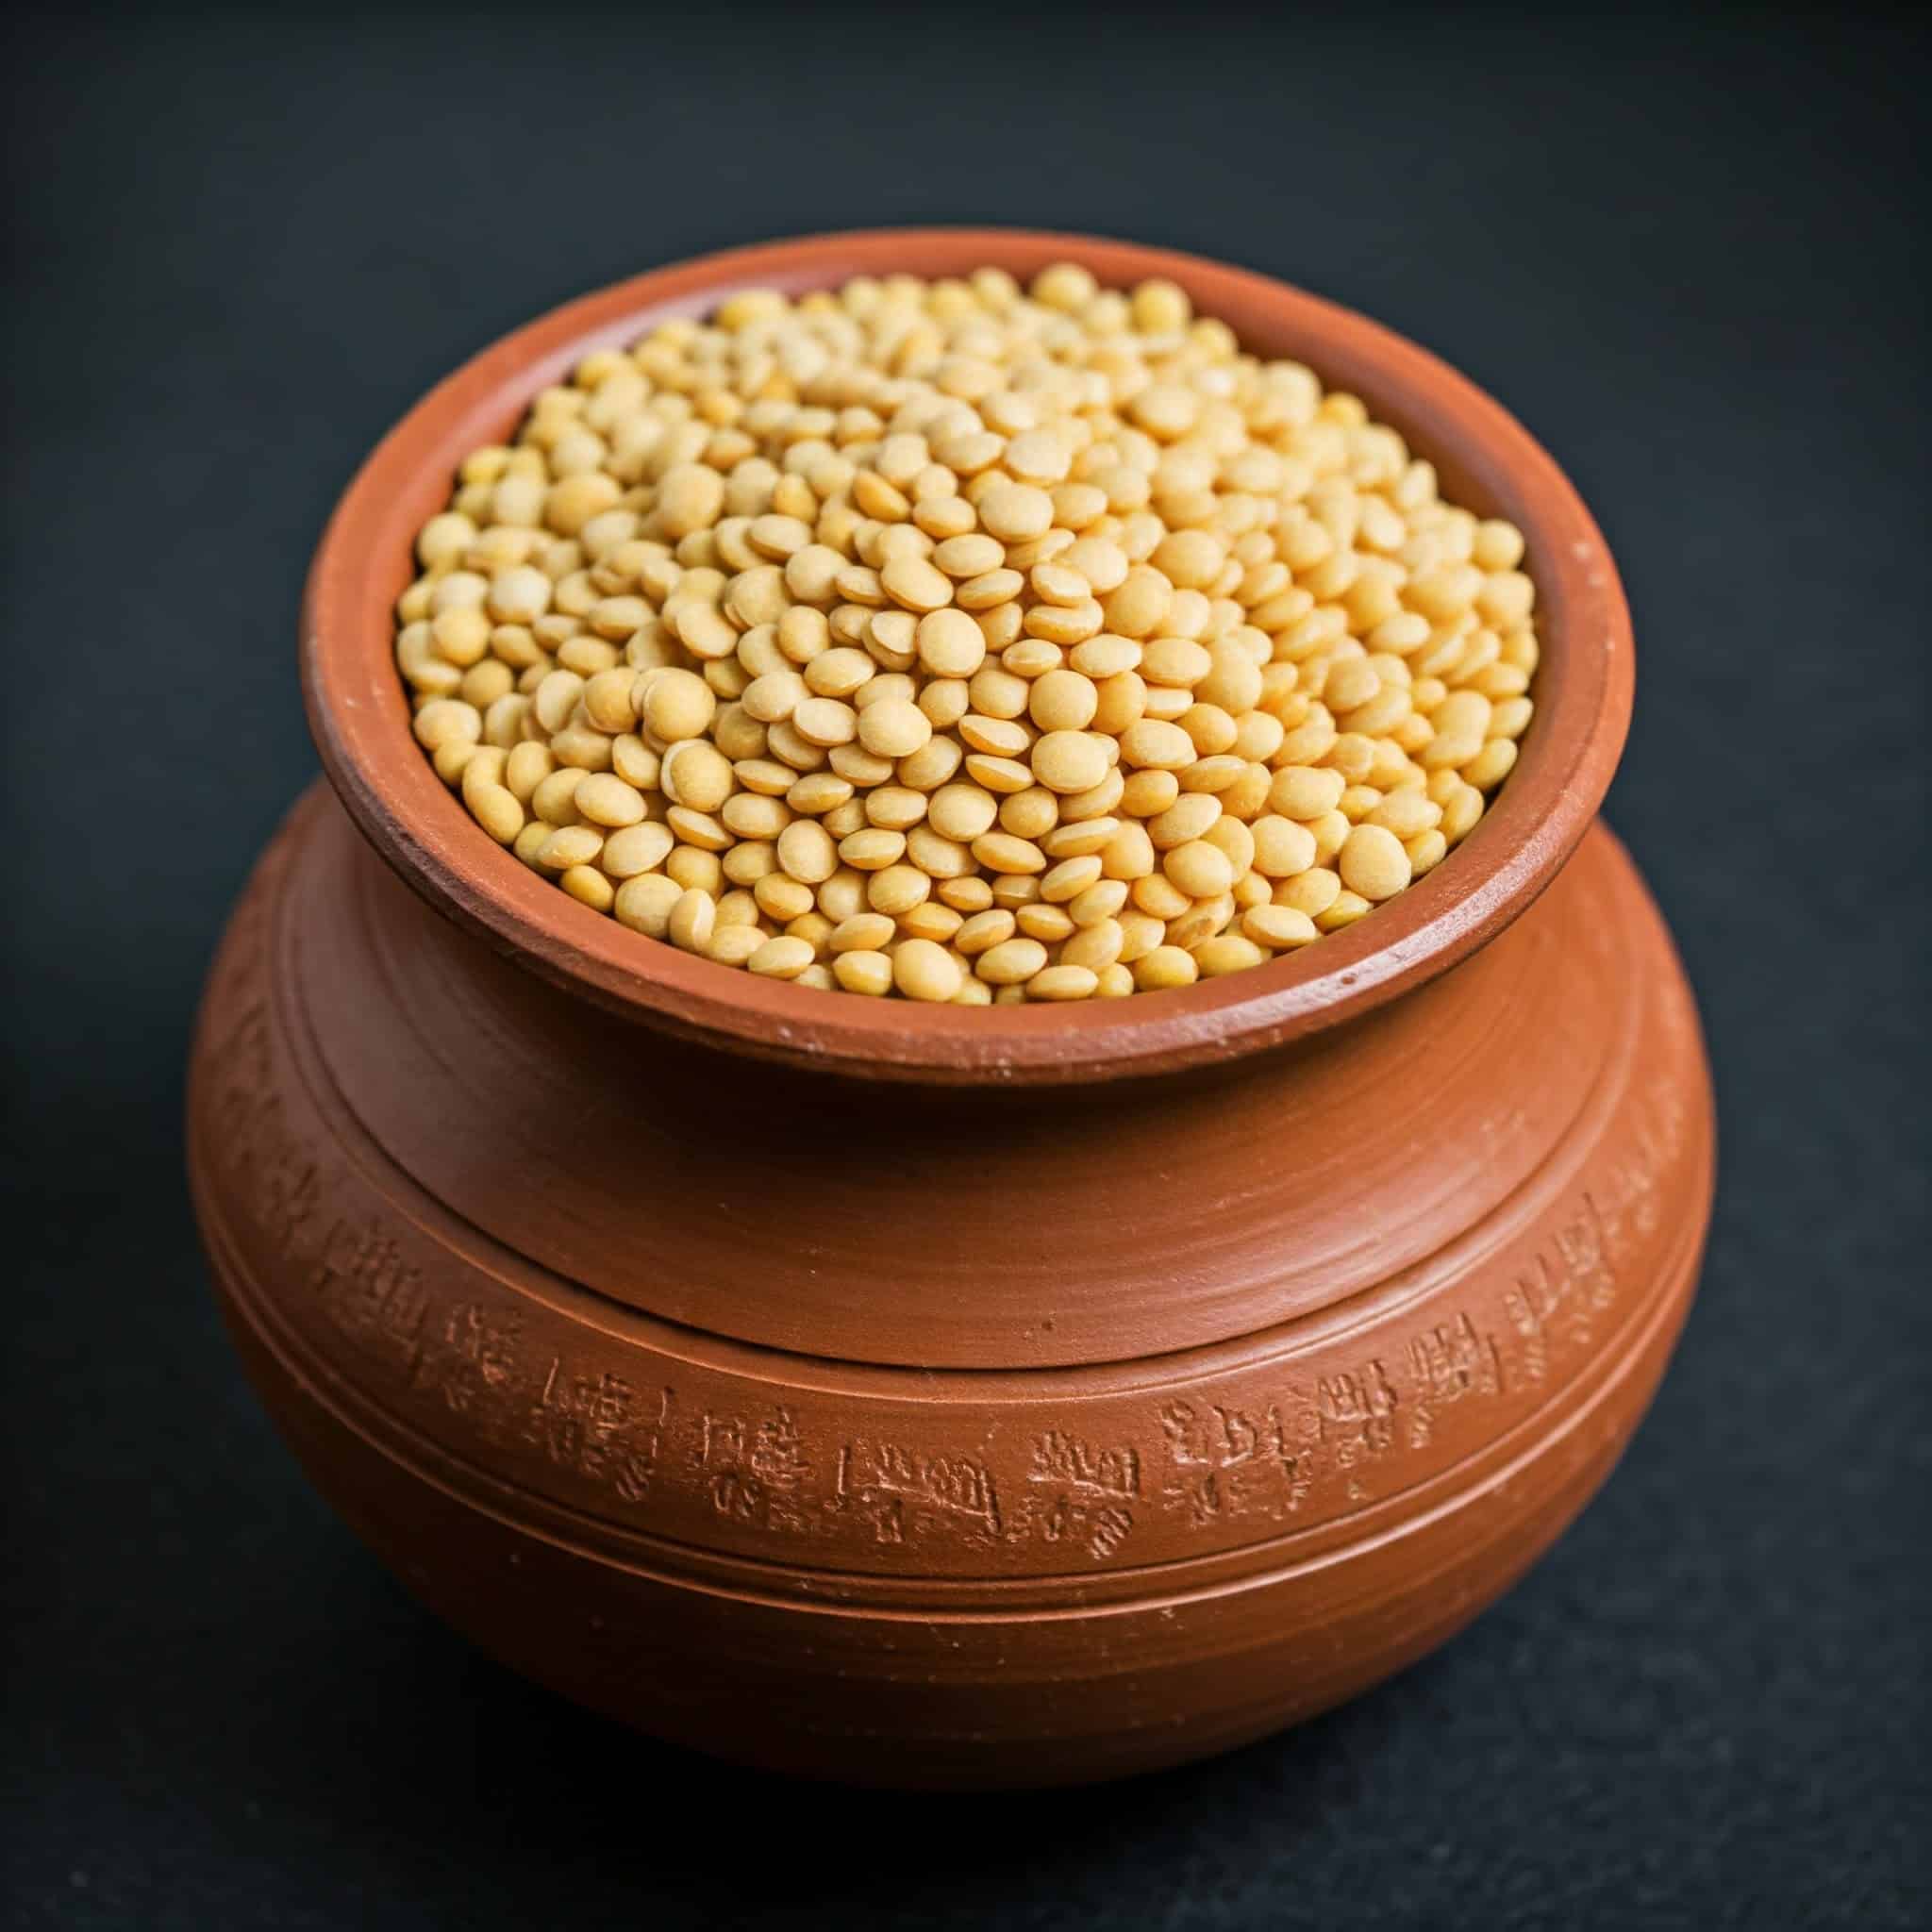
(950, 1397)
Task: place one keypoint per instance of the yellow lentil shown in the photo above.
(783, 958)
(1165, 966)
(1278, 926)
(1063, 983)
(973, 643)
(1374, 863)
(923, 970)
(864, 971)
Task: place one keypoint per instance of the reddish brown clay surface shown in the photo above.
(945, 1397)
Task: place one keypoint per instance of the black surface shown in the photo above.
(1681, 252)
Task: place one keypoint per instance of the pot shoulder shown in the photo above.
(1410, 1318)
(948, 1229)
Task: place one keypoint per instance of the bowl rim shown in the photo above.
(360, 717)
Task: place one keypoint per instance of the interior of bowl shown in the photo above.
(1487, 462)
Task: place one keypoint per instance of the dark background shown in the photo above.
(1682, 252)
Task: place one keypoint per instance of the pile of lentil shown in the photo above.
(967, 642)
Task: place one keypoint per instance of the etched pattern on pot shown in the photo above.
(688, 1446)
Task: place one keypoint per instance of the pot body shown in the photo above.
(945, 1437)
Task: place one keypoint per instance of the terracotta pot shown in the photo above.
(950, 1397)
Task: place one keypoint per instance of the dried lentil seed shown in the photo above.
(1061, 626)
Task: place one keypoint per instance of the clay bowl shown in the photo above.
(950, 1398)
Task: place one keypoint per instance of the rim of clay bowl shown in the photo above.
(1486, 462)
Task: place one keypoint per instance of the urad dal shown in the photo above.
(968, 642)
